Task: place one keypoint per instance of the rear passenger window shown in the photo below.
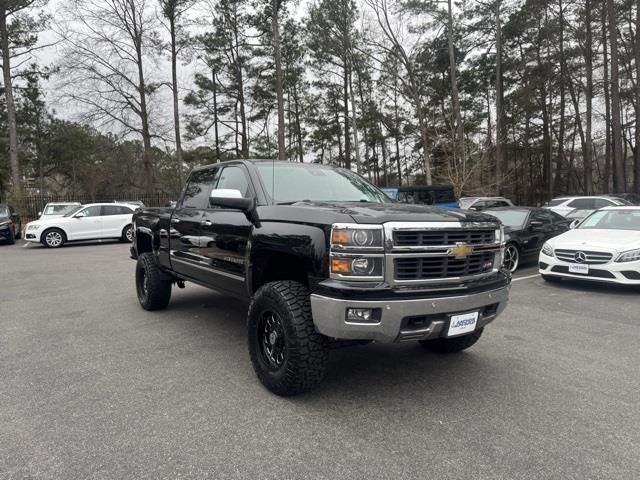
(196, 194)
(109, 210)
(233, 178)
(601, 203)
(583, 203)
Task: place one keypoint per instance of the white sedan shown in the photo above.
(604, 247)
(86, 222)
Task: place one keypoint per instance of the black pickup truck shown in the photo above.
(325, 259)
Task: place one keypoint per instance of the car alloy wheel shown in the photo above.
(272, 340)
(128, 234)
(53, 239)
(511, 258)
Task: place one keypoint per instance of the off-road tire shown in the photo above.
(304, 350)
(156, 293)
(49, 243)
(452, 345)
(551, 278)
(128, 230)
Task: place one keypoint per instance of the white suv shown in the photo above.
(566, 205)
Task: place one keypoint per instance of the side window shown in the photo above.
(583, 203)
(93, 211)
(110, 210)
(196, 193)
(538, 216)
(556, 217)
(233, 178)
(480, 204)
(601, 203)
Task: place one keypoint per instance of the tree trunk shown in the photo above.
(455, 95)
(618, 165)
(144, 117)
(560, 162)
(354, 112)
(499, 101)
(14, 162)
(636, 167)
(215, 112)
(588, 63)
(275, 26)
(345, 99)
(176, 103)
(607, 103)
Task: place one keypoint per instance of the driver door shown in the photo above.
(85, 224)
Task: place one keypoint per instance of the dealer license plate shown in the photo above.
(461, 324)
(579, 269)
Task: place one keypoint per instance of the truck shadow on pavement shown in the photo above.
(386, 369)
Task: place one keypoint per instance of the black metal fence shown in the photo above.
(33, 204)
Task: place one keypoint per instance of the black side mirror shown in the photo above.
(536, 225)
(233, 199)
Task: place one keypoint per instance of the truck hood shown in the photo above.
(379, 213)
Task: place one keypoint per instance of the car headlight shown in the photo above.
(357, 267)
(357, 252)
(356, 237)
(630, 256)
(547, 250)
(33, 227)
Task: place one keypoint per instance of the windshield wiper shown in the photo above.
(293, 202)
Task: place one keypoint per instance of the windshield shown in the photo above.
(295, 183)
(511, 218)
(4, 211)
(613, 220)
(59, 209)
(556, 202)
(466, 202)
(73, 210)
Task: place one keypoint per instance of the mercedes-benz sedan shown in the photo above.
(604, 247)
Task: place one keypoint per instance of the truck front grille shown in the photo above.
(442, 267)
(431, 238)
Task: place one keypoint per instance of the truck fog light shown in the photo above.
(363, 315)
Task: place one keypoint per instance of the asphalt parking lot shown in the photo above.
(91, 386)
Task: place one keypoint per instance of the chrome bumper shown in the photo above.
(404, 320)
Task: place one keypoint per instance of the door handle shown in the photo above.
(206, 223)
(175, 221)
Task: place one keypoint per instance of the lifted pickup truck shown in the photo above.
(325, 259)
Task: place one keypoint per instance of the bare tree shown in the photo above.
(394, 47)
(107, 46)
(618, 165)
(172, 11)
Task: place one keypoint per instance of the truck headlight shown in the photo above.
(357, 267)
(4, 224)
(547, 250)
(356, 236)
(630, 256)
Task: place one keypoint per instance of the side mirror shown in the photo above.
(39, 214)
(574, 224)
(80, 215)
(536, 226)
(233, 199)
(475, 209)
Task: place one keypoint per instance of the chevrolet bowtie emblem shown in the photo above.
(461, 250)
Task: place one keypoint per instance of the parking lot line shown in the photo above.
(528, 277)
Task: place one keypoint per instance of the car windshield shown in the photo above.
(4, 211)
(579, 213)
(73, 210)
(510, 218)
(556, 202)
(620, 201)
(613, 220)
(465, 203)
(59, 209)
(294, 183)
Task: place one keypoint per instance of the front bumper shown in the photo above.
(406, 319)
(626, 273)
